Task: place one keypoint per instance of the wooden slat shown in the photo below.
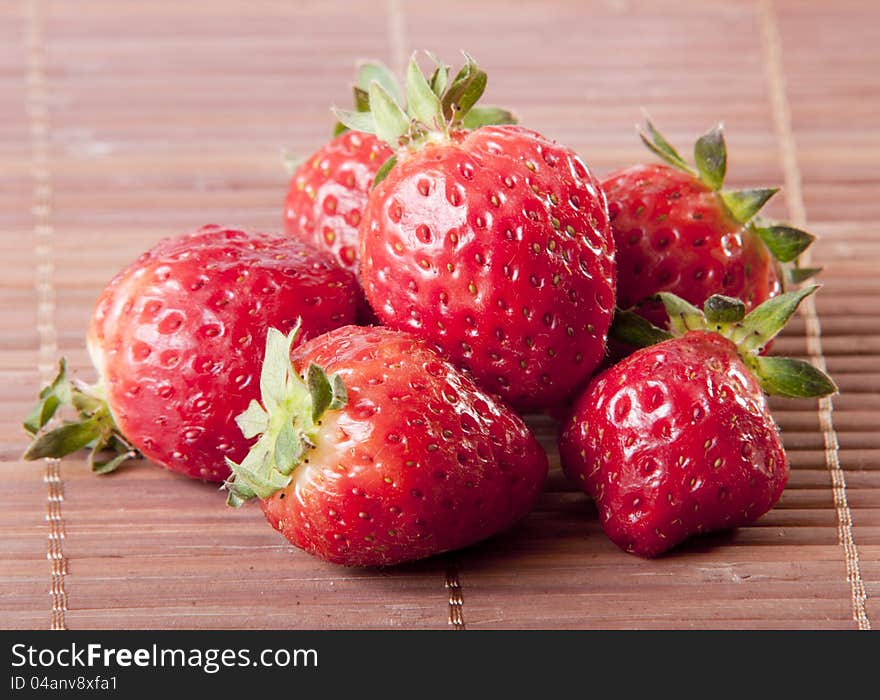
(161, 117)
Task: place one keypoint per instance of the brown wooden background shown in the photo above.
(123, 122)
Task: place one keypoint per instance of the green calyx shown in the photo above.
(434, 105)
(780, 376)
(285, 424)
(94, 427)
(784, 242)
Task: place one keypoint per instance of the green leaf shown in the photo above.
(460, 79)
(338, 128)
(51, 397)
(276, 364)
(766, 321)
(632, 329)
(786, 376)
(257, 470)
(660, 146)
(110, 465)
(744, 204)
(683, 316)
(796, 275)
(391, 121)
(785, 243)
(253, 420)
(339, 392)
(94, 425)
(320, 389)
(371, 72)
(361, 99)
(64, 440)
(85, 403)
(117, 454)
(720, 309)
(328, 393)
(421, 102)
(384, 169)
(237, 494)
(710, 155)
(41, 414)
(485, 116)
(356, 121)
(439, 79)
(286, 424)
(470, 95)
(361, 104)
(466, 89)
(289, 449)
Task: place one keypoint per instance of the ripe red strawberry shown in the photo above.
(329, 190)
(677, 439)
(176, 338)
(676, 230)
(494, 244)
(374, 450)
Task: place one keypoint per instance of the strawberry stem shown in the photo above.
(94, 426)
(782, 376)
(285, 422)
(434, 108)
(744, 204)
(710, 155)
(657, 144)
(784, 242)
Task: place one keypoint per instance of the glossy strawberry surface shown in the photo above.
(674, 234)
(496, 246)
(420, 460)
(177, 337)
(328, 192)
(673, 441)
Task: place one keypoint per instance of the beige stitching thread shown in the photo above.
(795, 201)
(397, 35)
(456, 596)
(38, 107)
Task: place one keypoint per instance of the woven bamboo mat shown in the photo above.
(123, 122)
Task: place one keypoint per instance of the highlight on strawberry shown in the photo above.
(489, 240)
(372, 450)
(176, 338)
(677, 439)
(677, 229)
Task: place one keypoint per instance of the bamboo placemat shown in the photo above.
(123, 122)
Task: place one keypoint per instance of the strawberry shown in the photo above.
(329, 189)
(373, 450)
(492, 243)
(677, 439)
(173, 338)
(328, 192)
(677, 230)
